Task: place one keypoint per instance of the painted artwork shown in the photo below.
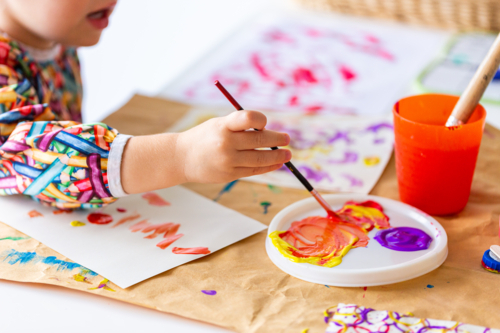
(305, 65)
(337, 154)
(156, 231)
(350, 318)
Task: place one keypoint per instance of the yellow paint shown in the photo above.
(371, 160)
(329, 261)
(103, 285)
(80, 278)
(373, 214)
(77, 224)
(305, 330)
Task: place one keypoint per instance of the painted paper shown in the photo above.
(350, 318)
(130, 247)
(338, 154)
(309, 65)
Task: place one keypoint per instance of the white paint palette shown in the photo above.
(371, 266)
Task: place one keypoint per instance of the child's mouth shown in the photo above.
(100, 19)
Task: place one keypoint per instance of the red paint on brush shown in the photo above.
(99, 218)
(191, 250)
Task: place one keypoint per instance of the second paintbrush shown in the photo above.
(289, 165)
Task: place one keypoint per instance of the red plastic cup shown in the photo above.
(434, 163)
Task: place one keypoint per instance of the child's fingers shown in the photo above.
(262, 158)
(261, 139)
(247, 172)
(243, 120)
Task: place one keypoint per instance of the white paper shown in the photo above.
(337, 154)
(120, 255)
(303, 64)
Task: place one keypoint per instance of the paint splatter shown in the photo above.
(274, 189)
(225, 189)
(154, 199)
(62, 211)
(265, 205)
(99, 218)
(364, 289)
(77, 223)
(209, 292)
(303, 76)
(121, 210)
(14, 238)
(378, 127)
(327, 286)
(305, 330)
(126, 219)
(347, 73)
(34, 213)
(349, 157)
(191, 250)
(371, 160)
(103, 285)
(353, 180)
(430, 286)
(13, 257)
(315, 174)
(81, 278)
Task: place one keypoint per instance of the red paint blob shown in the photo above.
(347, 73)
(121, 210)
(99, 218)
(303, 75)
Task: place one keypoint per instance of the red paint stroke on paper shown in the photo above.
(126, 219)
(99, 218)
(257, 65)
(191, 250)
(121, 210)
(34, 213)
(303, 75)
(167, 229)
(347, 73)
(139, 225)
(154, 199)
(169, 240)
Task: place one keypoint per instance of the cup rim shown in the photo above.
(396, 114)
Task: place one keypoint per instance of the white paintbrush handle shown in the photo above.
(475, 90)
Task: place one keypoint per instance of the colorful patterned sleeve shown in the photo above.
(58, 163)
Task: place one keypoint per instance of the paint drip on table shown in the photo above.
(324, 241)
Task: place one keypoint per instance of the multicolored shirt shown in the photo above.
(45, 152)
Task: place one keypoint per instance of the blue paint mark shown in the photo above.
(327, 286)
(430, 286)
(13, 257)
(226, 189)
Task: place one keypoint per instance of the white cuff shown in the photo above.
(114, 166)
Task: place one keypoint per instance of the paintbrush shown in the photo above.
(475, 90)
(289, 165)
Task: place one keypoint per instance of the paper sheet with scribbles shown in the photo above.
(301, 64)
(337, 154)
(133, 239)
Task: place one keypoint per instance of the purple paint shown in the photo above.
(405, 239)
(340, 136)
(316, 175)
(377, 127)
(349, 157)
(354, 181)
(209, 292)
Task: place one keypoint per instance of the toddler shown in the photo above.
(46, 153)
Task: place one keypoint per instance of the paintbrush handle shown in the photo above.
(475, 90)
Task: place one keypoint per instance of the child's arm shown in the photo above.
(219, 150)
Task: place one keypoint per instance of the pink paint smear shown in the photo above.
(126, 219)
(191, 250)
(155, 200)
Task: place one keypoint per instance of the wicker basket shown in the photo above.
(450, 14)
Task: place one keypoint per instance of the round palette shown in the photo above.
(370, 266)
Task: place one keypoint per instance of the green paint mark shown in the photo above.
(265, 205)
(273, 188)
(14, 238)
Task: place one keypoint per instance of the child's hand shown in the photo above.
(222, 150)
